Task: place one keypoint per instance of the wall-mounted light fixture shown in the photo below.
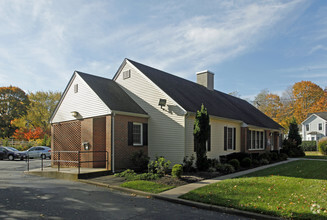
(74, 114)
(162, 102)
(86, 145)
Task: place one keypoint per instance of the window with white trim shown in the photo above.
(137, 134)
(257, 140)
(320, 126)
(307, 127)
(126, 74)
(229, 138)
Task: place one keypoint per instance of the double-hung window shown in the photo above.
(229, 138)
(256, 140)
(137, 134)
(320, 126)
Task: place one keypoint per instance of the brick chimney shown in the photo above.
(205, 78)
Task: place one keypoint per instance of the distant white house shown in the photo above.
(314, 127)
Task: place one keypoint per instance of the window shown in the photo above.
(312, 138)
(256, 140)
(126, 74)
(307, 127)
(76, 88)
(320, 126)
(229, 138)
(137, 134)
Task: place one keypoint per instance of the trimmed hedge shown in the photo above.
(309, 146)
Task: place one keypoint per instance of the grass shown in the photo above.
(315, 155)
(294, 190)
(146, 186)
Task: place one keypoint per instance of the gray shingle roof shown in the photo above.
(322, 115)
(191, 95)
(111, 94)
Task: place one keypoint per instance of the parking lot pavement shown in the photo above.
(33, 197)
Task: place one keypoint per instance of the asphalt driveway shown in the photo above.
(31, 197)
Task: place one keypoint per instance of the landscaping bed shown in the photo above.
(294, 190)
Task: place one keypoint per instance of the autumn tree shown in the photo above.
(201, 135)
(306, 96)
(41, 106)
(13, 105)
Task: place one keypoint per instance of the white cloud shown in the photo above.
(45, 41)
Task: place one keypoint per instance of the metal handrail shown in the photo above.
(79, 162)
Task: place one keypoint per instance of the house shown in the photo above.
(146, 108)
(314, 127)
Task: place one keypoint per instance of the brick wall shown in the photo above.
(99, 141)
(69, 136)
(123, 152)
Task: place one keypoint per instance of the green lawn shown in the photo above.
(294, 190)
(315, 155)
(146, 186)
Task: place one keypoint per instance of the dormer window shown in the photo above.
(76, 88)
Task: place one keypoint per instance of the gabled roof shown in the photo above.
(111, 94)
(322, 115)
(191, 95)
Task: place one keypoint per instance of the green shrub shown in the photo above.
(322, 145)
(146, 176)
(291, 149)
(127, 174)
(309, 146)
(235, 163)
(264, 161)
(283, 156)
(225, 168)
(246, 162)
(274, 156)
(159, 166)
(140, 160)
(177, 170)
(213, 162)
(265, 155)
(255, 162)
(188, 164)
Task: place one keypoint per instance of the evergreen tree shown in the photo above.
(201, 135)
(293, 134)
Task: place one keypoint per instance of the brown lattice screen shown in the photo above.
(67, 137)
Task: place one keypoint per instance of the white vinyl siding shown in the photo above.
(314, 123)
(217, 137)
(85, 102)
(165, 126)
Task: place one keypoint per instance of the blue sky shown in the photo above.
(249, 45)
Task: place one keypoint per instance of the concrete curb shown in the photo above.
(185, 202)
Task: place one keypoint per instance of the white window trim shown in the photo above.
(141, 135)
(308, 127)
(255, 134)
(319, 125)
(233, 134)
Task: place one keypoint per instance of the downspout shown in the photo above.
(113, 142)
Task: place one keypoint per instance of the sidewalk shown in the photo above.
(178, 191)
(173, 194)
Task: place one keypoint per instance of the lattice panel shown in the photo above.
(67, 137)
